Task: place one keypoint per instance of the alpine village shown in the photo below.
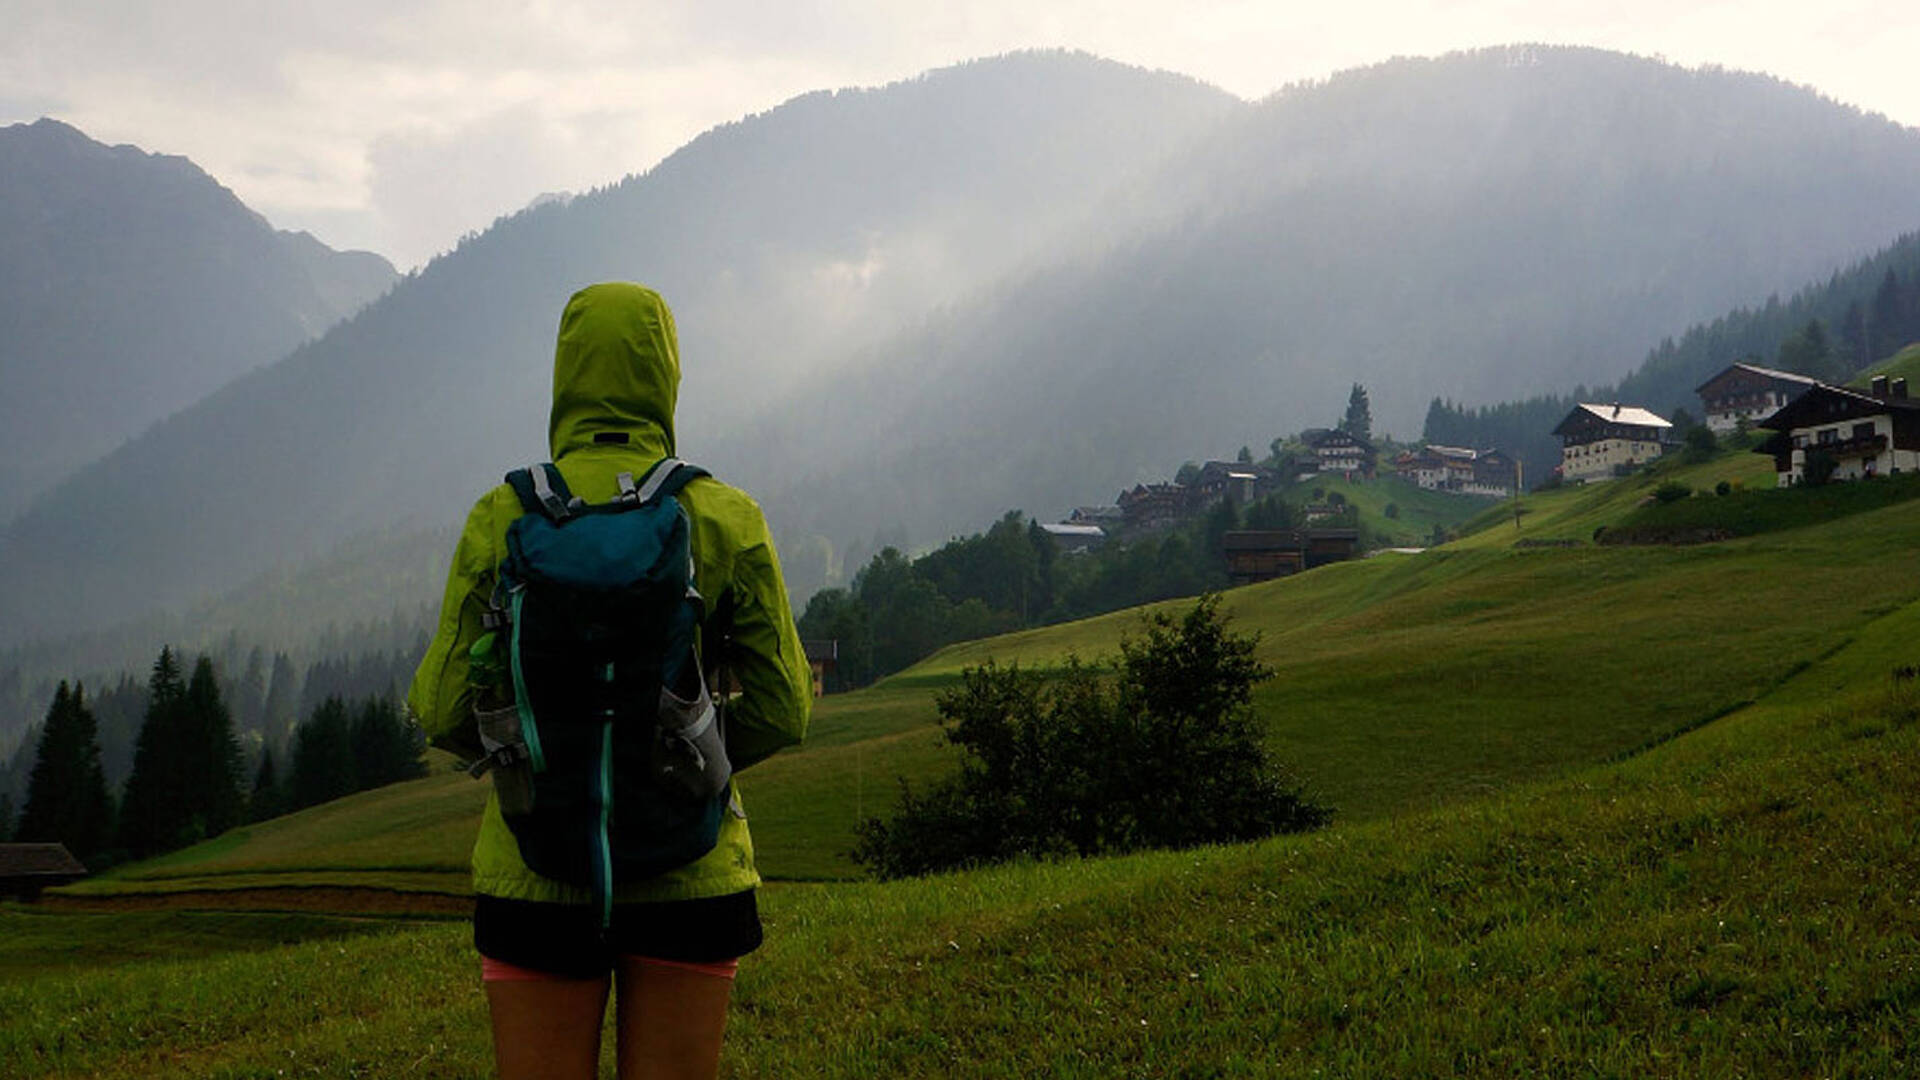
(1170, 715)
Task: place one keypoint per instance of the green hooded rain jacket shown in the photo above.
(616, 371)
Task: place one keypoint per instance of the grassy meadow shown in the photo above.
(1603, 811)
(1416, 511)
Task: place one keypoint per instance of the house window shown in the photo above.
(1828, 435)
(1863, 431)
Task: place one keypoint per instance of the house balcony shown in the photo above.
(1861, 446)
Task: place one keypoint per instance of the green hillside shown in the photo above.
(1736, 901)
(1904, 364)
(1403, 682)
(1572, 513)
(1417, 511)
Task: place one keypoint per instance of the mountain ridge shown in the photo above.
(132, 284)
(421, 399)
(877, 341)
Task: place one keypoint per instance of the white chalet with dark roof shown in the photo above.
(1598, 442)
(1339, 451)
(1748, 392)
(1875, 433)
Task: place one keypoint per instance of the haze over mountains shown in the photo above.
(1481, 227)
(1017, 283)
(131, 285)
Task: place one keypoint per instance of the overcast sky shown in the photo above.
(397, 126)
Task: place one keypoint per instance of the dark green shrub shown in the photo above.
(1723, 488)
(1700, 443)
(1671, 491)
(1168, 754)
(1818, 468)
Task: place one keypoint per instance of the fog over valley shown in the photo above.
(1016, 283)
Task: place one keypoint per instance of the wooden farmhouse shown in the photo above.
(1495, 472)
(1108, 518)
(1071, 538)
(1241, 482)
(1748, 392)
(1263, 554)
(1150, 506)
(1439, 468)
(1457, 469)
(1876, 433)
(1600, 442)
(1341, 452)
(25, 869)
(823, 656)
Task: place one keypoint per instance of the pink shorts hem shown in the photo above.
(492, 970)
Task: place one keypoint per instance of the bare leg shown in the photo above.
(547, 1028)
(671, 1021)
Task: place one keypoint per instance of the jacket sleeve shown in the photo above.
(441, 697)
(765, 659)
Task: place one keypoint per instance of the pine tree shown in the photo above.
(282, 708)
(249, 698)
(151, 813)
(266, 801)
(1045, 551)
(6, 818)
(213, 759)
(1807, 352)
(1887, 326)
(1853, 338)
(386, 748)
(67, 801)
(1359, 419)
(117, 713)
(323, 766)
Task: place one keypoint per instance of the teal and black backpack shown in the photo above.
(609, 756)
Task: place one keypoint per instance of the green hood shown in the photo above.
(616, 369)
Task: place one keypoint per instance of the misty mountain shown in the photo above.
(1021, 283)
(131, 285)
(784, 242)
(1482, 226)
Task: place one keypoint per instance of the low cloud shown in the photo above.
(399, 127)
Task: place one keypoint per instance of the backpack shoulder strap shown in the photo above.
(667, 478)
(542, 490)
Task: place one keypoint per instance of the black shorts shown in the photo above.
(565, 939)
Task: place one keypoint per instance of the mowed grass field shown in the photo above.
(1603, 812)
(1402, 682)
(1738, 901)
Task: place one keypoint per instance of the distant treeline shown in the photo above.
(1011, 577)
(269, 688)
(297, 738)
(1857, 318)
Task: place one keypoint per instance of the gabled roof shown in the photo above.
(1631, 415)
(1824, 404)
(39, 860)
(1262, 540)
(1323, 437)
(1767, 372)
(1235, 470)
